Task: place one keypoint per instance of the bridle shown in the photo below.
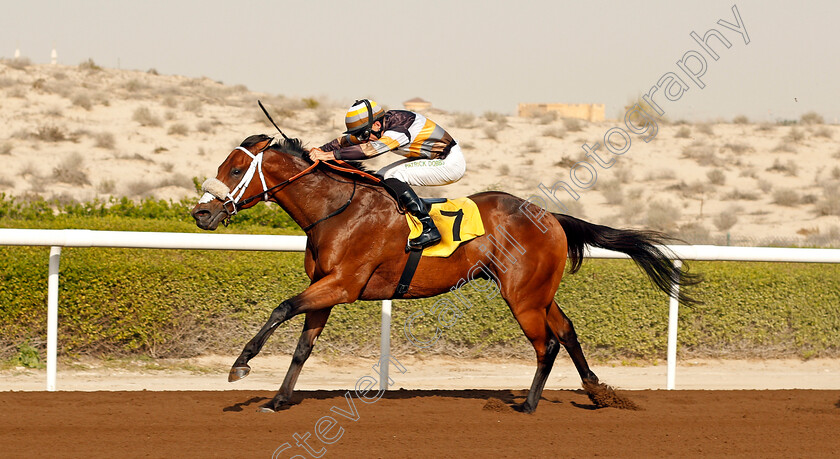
(232, 201)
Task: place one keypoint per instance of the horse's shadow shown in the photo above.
(512, 398)
(239, 406)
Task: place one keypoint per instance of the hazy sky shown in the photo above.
(461, 55)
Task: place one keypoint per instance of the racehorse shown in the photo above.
(356, 250)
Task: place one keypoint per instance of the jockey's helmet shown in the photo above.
(361, 116)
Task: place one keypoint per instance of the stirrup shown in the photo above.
(429, 237)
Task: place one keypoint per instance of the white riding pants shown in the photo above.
(428, 172)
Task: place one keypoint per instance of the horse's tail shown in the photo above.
(641, 246)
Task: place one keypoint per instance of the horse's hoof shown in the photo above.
(524, 408)
(237, 373)
(273, 406)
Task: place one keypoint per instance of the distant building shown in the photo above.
(417, 104)
(588, 112)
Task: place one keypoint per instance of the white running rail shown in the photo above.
(56, 239)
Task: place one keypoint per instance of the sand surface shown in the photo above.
(441, 424)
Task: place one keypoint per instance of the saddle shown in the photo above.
(458, 221)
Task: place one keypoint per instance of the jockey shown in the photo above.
(432, 157)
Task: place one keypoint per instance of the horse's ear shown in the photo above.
(258, 142)
(262, 145)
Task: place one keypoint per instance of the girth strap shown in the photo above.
(408, 272)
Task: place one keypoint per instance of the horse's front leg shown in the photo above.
(240, 368)
(324, 293)
(312, 328)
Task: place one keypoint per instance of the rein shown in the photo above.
(232, 201)
(335, 212)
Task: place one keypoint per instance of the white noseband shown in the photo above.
(214, 188)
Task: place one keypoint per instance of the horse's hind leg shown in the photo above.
(547, 328)
(535, 326)
(600, 394)
(565, 332)
(312, 328)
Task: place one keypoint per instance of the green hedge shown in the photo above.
(750, 309)
(169, 303)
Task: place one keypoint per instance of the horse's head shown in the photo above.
(239, 184)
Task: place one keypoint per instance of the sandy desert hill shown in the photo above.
(85, 132)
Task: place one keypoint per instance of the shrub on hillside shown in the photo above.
(19, 63)
(788, 168)
(662, 216)
(464, 120)
(492, 132)
(765, 185)
(812, 118)
(547, 117)
(83, 101)
(716, 176)
(612, 191)
(195, 106)
(205, 127)
(829, 203)
(795, 135)
(178, 129)
(572, 124)
(89, 65)
(738, 148)
(51, 133)
(824, 132)
(104, 140)
(71, 171)
(786, 197)
(555, 131)
(693, 233)
(726, 219)
(742, 195)
(495, 117)
(705, 128)
(661, 174)
(106, 186)
(145, 117)
(311, 102)
(531, 146)
(701, 152)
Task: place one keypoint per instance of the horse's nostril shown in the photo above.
(201, 214)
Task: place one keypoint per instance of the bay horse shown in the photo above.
(356, 250)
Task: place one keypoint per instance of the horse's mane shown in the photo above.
(294, 147)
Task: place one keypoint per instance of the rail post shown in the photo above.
(385, 345)
(673, 323)
(52, 317)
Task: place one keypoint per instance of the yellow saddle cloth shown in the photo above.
(458, 220)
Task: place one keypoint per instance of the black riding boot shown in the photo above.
(409, 201)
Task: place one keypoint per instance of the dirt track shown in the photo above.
(789, 423)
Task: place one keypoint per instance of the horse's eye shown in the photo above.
(235, 171)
